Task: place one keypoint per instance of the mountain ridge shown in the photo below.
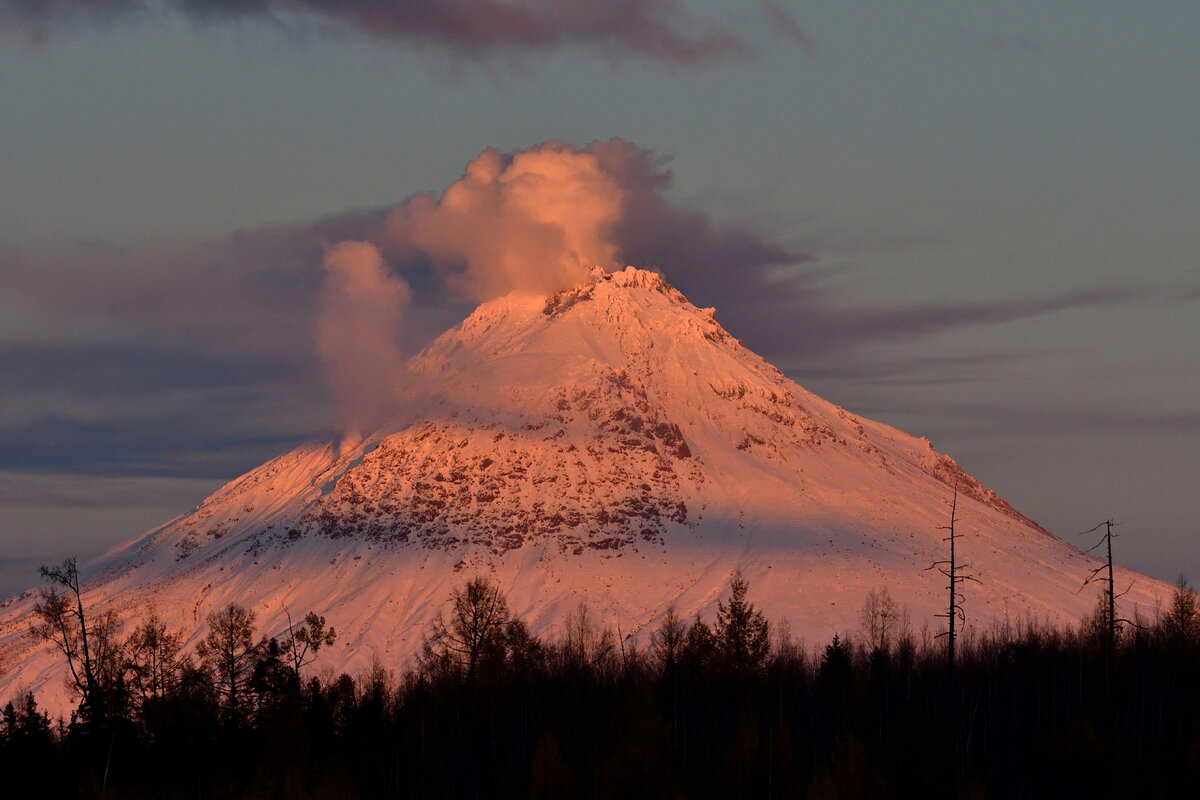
(610, 443)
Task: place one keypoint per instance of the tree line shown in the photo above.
(731, 707)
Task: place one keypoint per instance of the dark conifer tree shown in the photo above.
(742, 634)
(667, 644)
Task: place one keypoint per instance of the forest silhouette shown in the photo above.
(728, 708)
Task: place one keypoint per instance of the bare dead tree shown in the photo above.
(229, 653)
(956, 575)
(88, 641)
(154, 658)
(305, 641)
(1104, 575)
(475, 638)
(587, 644)
(881, 617)
(1109, 623)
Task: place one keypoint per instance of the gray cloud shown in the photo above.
(36, 491)
(37, 21)
(193, 440)
(250, 291)
(34, 11)
(664, 31)
(913, 371)
(819, 325)
(1082, 422)
(1036, 422)
(851, 326)
(127, 370)
(194, 362)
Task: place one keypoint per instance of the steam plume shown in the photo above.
(533, 222)
(361, 310)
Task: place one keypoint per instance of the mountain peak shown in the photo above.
(610, 290)
(622, 311)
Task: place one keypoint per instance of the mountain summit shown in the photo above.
(611, 444)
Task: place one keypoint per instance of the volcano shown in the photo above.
(610, 444)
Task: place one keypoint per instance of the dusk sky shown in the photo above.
(976, 222)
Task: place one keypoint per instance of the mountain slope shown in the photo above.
(611, 444)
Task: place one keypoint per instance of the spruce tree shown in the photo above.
(742, 632)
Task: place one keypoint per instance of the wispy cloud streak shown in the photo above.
(821, 327)
(663, 31)
(780, 20)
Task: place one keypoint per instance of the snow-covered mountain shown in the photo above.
(611, 444)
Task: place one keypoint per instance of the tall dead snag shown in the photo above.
(955, 576)
(1104, 574)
